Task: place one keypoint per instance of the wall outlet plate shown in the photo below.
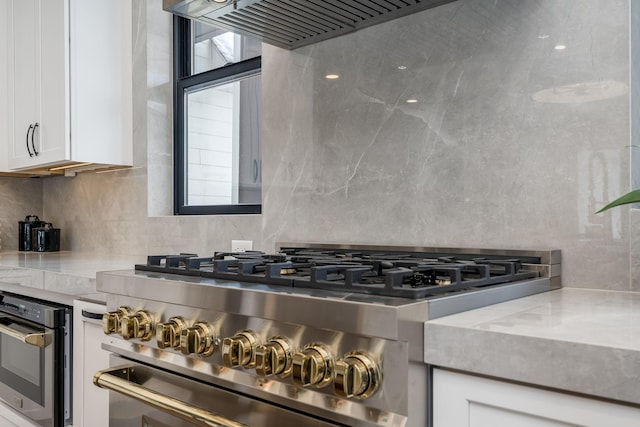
(241, 245)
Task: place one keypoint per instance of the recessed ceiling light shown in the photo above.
(543, 36)
(402, 67)
(332, 76)
(560, 47)
(411, 101)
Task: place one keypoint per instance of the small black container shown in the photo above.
(46, 238)
(25, 232)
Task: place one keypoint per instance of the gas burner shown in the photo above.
(405, 274)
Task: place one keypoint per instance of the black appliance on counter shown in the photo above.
(25, 232)
(37, 235)
(46, 238)
(313, 335)
(35, 358)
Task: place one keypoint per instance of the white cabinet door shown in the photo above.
(101, 88)
(38, 83)
(10, 418)
(461, 400)
(90, 403)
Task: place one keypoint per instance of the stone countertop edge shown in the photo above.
(66, 275)
(577, 340)
(52, 295)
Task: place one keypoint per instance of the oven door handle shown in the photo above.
(38, 339)
(106, 379)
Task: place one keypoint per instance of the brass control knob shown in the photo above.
(199, 339)
(168, 333)
(274, 357)
(240, 350)
(356, 375)
(313, 365)
(138, 326)
(111, 319)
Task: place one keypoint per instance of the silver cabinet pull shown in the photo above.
(106, 379)
(38, 339)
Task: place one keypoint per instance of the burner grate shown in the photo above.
(405, 275)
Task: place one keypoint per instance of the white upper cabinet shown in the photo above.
(69, 82)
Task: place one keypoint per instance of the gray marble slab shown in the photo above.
(577, 340)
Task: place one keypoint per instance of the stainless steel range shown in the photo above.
(314, 335)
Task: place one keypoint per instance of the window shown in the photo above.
(217, 109)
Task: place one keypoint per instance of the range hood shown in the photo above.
(294, 23)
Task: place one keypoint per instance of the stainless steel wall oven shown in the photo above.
(35, 358)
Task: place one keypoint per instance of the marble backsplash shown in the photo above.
(19, 197)
(511, 143)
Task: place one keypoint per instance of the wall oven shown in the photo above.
(35, 365)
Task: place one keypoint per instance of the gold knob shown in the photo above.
(138, 325)
(198, 339)
(168, 333)
(111, 319)
(239, 350)
(356, 375)
(312, 366)
(274, 357)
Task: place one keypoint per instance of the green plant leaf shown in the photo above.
(631, 197)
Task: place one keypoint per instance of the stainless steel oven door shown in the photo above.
(27, 360)
(142, 395)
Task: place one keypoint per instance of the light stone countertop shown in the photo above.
(59, 276)
(577, 340)
(69, 262)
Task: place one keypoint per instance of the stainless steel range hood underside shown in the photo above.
(294, 23)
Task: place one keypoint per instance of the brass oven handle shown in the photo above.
(38, 339)
(175, 407)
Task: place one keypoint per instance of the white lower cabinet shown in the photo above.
(461, 400)
(9, 417)
(90, 403)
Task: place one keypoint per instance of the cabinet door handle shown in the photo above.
(256, 170)
(33, 145)
(90, 315)
(28, 149)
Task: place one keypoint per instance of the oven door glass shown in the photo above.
(23, 357)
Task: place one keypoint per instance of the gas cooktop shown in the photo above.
(404, 272)
(332, 332)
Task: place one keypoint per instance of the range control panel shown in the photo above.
(353, 374)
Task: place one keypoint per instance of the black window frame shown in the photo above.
(182, 60)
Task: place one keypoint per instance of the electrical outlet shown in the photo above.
(241, 245)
